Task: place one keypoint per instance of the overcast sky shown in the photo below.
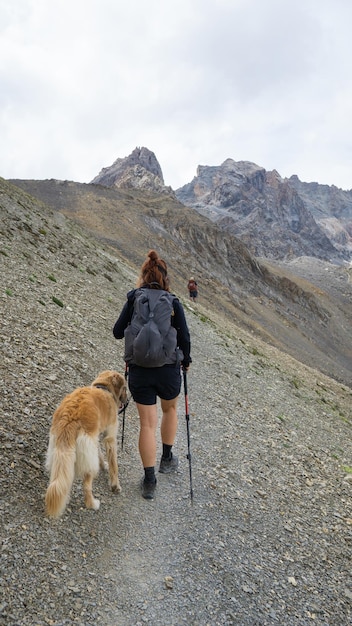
(83, 82)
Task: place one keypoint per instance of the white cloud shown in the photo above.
(83, 82)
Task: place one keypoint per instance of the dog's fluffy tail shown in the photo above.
(61, 464)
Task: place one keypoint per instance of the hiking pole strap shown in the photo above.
(189, 456)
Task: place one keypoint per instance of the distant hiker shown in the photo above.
(192, 289)
(157, 344)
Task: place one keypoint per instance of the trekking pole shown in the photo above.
(123, 411)
(189, 457)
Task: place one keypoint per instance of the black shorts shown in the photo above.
(148, 383)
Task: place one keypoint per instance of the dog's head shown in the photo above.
(115, 383)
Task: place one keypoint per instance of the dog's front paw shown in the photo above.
(116, 488)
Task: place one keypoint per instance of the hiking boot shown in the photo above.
(168, 465)
(148, 489)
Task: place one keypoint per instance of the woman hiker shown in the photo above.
(148, 382)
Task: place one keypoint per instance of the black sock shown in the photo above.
(167, 454)
(149, 475)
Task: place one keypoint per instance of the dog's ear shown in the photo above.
(120, 387)
(117, 381)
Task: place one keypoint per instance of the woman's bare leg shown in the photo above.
(148, 417)
(169, 421)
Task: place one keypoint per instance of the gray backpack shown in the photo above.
(150, 339)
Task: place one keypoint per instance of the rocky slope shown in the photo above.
(268, 538)
(331, 207)
(307, 319)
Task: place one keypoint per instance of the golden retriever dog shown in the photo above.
(74, 450)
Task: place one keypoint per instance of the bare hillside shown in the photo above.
(289, 310)
(268, 538)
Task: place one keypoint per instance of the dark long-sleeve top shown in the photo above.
(178, 321)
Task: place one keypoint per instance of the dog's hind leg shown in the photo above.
(87, 466)
(102, 463)
(111, 454)
(89, 500)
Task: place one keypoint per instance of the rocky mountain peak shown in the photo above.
(245, 168)
(273, 178)
(238, 172)
(139, 170)
(275, 217)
